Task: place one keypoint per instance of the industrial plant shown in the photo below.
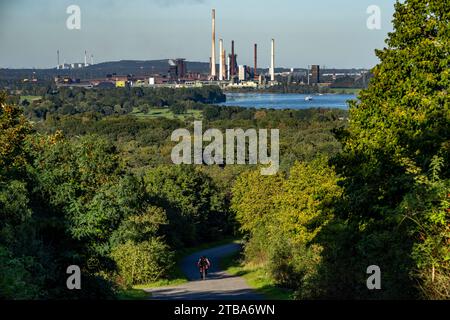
(233, 74)
(226, 72)
(77, 65)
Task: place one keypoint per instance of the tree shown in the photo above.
(253, 199)
(16, 255)
(194, 207)
(14, 129)
(398, 128)
(282, 217)
(178, 108)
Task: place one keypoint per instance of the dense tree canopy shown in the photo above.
(396, 150)
(70, 202)
(386, 202)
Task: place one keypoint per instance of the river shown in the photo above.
(287, 101)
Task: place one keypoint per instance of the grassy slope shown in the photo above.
(132, 294)
(345, 90)
(29, 98)
(256, 278)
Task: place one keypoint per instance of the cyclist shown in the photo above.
(203, 265)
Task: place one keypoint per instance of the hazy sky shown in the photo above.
(331, 33)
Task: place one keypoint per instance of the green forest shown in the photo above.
(86, 179)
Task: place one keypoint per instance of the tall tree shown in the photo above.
(397, 147)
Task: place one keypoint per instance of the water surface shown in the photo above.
(287, 101)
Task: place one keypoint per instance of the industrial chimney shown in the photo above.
(58, 65)
(85, 58)
(233, 59)
(256, 61)
(228, 67)
(272, 64)
(224, 63)
(213, 46)
(221, 64)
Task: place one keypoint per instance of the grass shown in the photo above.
(133, 294)
(176, 278)
(166, 113)
(162, 283)
(137, 291)
(256, 278)
(29, 98)
(345, 90)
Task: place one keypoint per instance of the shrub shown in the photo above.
(15, 279)
(143, 262)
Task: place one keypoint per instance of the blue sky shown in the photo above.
(327, 32)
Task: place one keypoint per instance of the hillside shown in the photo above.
(123, 67)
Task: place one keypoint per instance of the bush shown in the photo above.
(255, 248)
(15, 278)
(143, 262)
(295, 266)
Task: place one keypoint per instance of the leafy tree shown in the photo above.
(307, 200)
(282, 217)
(16, 255)
(194, 206)
(14, 129)
(254, 199)
(178, 108)
(140, 227)
(399, 128)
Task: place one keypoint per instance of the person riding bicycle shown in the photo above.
(203, 264)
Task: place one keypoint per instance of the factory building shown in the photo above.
(78, 65)
(245, 73)
(233, 62)
(233, 66)
(121, 84)
(181, 67)
(315, 74)
(177, 69)
(242, 73)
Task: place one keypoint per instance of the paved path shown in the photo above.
(218, 286)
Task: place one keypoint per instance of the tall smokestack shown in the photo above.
(233, 61)
(221, 64)
(272, 64)
(256, 61)
(213, 46)
(92, 59)
(228, 67)
(57, 53)
(224, 62)
(85, 58)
